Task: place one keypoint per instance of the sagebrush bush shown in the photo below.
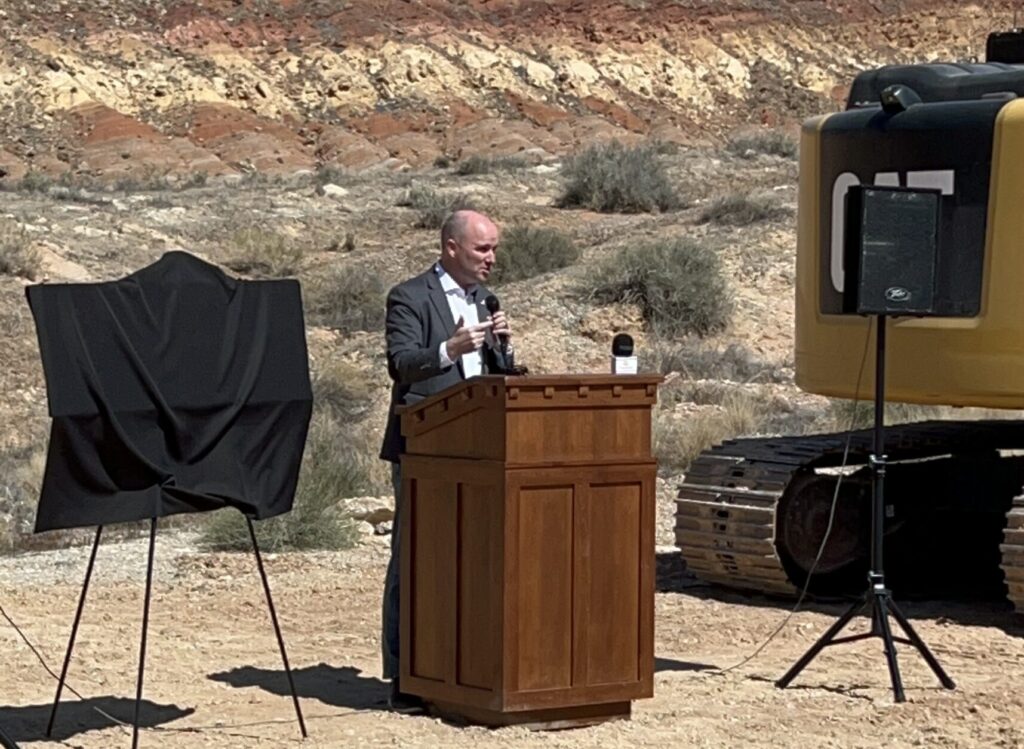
(336, 465)
(347, 299)
(263, 252)
(750, 143)
(745, 208)
(17, 255)
(35, 181)
(489, 164)
(695, 359)
(433, 207)
(613, 178)
(678, 285)
(342, 390)
(527, 251)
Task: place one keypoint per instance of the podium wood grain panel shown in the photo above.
(614, 512)
(479, 598)
(528, 554)
(433, 558)
(544, 600)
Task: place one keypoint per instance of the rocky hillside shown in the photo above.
(143, 89)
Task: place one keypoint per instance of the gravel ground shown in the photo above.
(214, 676)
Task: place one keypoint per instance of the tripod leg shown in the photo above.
(890, 649)
(918, 643)
(277, 627)
(74, 631)
(145, 632)
(822, 642)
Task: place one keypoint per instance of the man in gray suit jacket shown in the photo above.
(439, 332)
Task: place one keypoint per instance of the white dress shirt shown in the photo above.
(472, 363)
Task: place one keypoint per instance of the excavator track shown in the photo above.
(727, 519)
(1012, 550)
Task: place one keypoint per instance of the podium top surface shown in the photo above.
(539, 420)
(533, 391)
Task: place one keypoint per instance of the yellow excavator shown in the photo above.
(752, 513)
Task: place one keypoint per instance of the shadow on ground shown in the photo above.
(344, 686)
(28, 722)
(673, 577)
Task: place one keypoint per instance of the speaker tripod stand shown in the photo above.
(877, 598)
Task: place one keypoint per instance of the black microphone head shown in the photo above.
(492, 304)
(622, 345)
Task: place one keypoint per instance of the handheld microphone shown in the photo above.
(493, 305)
(623, 360)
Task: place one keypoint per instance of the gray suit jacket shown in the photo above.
(418, 321)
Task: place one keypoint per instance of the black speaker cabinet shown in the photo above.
(1005, 46)
(892, 258)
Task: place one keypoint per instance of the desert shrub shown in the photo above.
(263, 252)
(678, 440)
(21, 478)
(527, 251)
(697, 360)
(433, 207)
(347, 299)
(613, 178)
(489, 164)
(335, 466)
(745, 208)
(328, 174)
(678, 285)
(17, 255)
(342, 390)
(35, 181)
(750, 143)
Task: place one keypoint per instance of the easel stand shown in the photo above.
(145, 629)
(877, 597)
(6, 742)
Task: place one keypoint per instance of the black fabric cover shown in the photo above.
(176, 389)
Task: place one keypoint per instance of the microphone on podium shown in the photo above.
(623, 360)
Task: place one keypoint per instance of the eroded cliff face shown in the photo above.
(139, 88)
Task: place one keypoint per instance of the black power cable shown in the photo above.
(831, 518)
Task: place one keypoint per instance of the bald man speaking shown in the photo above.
(439, 332)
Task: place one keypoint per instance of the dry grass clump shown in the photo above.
(17, 255)
(21, 478)
(745, 208)
(263, 252)
(750, 143)
(342, 390)
(678, 438)
(433, 207)
(347, 299)
(336, 465)
(489, 165)
(697, 359)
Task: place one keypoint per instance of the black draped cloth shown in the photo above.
(175, 389)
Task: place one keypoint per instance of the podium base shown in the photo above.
(551, 719)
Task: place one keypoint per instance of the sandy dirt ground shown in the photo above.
(215, 678)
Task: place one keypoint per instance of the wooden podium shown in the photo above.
(527, 552)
